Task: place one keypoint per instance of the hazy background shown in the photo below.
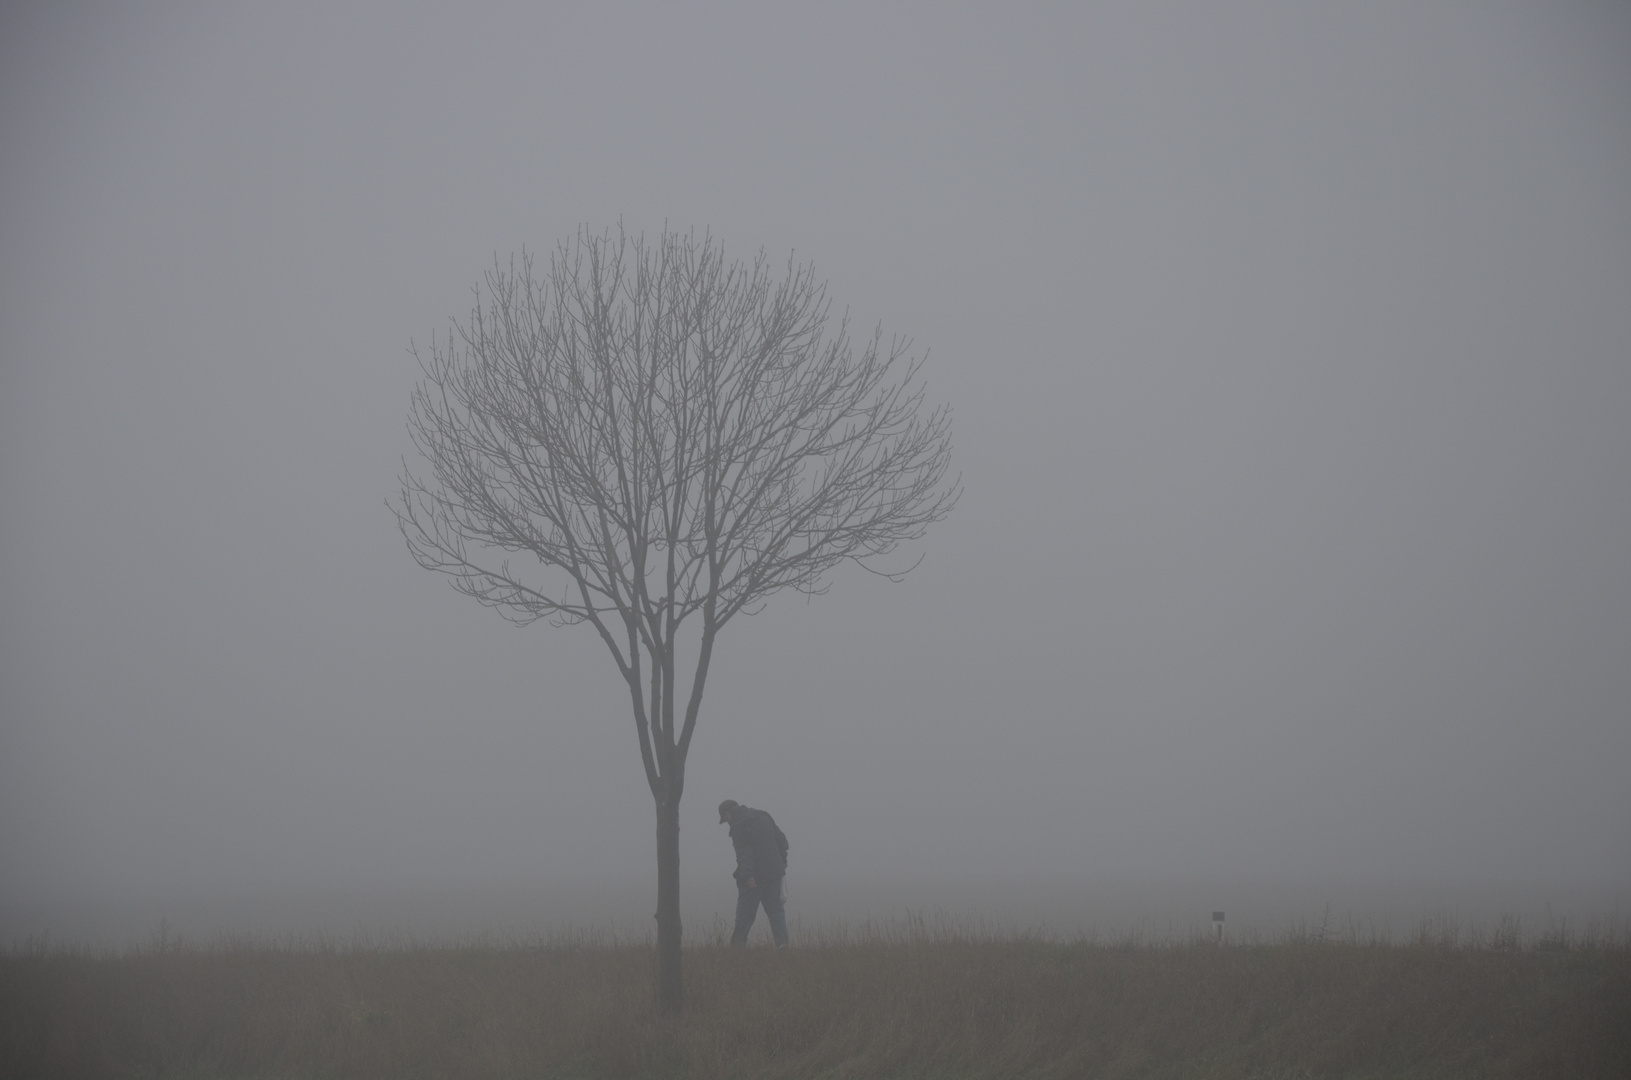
(1290, 347)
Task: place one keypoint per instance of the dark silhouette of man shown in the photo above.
(761, 863)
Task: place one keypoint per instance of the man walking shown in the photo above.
(761, 863)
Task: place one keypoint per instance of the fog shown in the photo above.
(1290, 353)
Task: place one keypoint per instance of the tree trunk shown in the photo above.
(670, 991)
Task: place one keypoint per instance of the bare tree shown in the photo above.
(668, 438)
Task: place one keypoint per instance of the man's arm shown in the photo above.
(742, 837)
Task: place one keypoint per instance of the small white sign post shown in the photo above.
(1217, 927)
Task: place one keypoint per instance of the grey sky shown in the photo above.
(1290, 348)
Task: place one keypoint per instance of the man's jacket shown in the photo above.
(761, 848)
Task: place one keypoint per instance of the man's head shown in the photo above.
(727, 809)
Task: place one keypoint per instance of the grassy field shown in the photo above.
(903, 1003)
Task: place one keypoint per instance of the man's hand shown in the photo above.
(752, 884)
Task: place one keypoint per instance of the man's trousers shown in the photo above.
(768, 893)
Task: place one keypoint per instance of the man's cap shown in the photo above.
(726, 809)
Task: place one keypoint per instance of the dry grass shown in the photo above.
(899, 1003)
